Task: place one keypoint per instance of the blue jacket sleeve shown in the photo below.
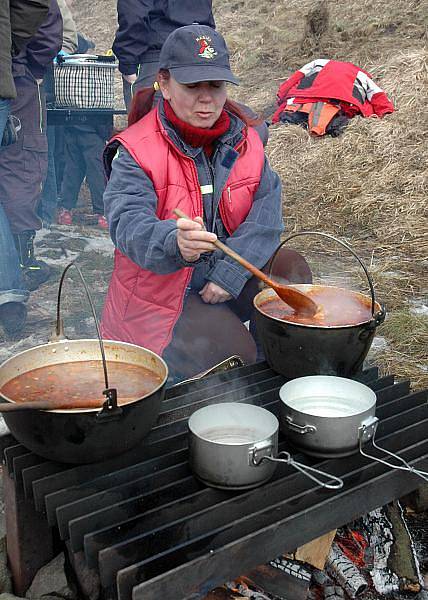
(25, 19)
(130, 203)
(256, 238)
(45, 45)
(131, 36)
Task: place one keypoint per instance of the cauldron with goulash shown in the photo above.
(120, 385)
(333, 342)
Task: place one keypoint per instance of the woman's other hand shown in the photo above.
(193, 240)
(212, 293)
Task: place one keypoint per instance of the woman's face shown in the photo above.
(198, 104)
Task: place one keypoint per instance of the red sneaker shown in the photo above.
(102, 222)
(64, 217)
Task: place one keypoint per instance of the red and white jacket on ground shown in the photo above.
(331, 80)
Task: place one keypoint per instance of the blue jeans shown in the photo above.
(12, 288)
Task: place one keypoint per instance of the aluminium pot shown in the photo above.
(296, 349)
(322, 415)
(90, 435)
(331, 417)
(234, 446)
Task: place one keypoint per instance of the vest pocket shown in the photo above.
(236, 202)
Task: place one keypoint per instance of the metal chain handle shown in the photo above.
(110, 407)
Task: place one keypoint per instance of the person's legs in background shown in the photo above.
(23, 167)
(74, 174)
(13, 294)
(59, 159)
(93, 142)
(48, 199)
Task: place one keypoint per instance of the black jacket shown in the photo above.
(19, 21)
(40, 51)
(144, 25)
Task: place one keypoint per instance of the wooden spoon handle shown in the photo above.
(240, 259)
(48, 405)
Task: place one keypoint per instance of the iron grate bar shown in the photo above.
(110, 480)
(265, 500)
(200, 575)
(163, 562)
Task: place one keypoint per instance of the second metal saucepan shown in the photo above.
(328, 416)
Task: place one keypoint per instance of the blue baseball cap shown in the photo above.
(196, 53)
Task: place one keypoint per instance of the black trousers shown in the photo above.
(23, 165)
(206, 334)
(83, 150)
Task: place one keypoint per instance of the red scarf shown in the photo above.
(198, 137)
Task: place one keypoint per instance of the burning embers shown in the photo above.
(360, 560)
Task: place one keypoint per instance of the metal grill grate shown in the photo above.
(140, 526)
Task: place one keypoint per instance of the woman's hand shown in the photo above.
(193, 240)
(212, 293)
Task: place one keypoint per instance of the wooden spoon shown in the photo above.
(301, 303)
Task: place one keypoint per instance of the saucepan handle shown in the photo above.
(302, 429)
(380, 316)
(326, 480)
(367, 432)
(225, 365)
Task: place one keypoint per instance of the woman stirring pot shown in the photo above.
(171, 290)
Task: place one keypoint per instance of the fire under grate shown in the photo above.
(141, 527)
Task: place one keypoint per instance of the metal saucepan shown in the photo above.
(296, 348)
(329, 417)
(234, 446)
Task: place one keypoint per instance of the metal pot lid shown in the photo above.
(327, 396)
(233, 423)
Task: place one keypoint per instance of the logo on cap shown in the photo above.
(205, 50)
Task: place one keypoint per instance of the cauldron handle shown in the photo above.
(110, 409)
(381, 314)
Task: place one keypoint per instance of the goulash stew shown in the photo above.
(337, 307)
(81, 381)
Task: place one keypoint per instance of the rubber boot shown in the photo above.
(13, 316)
(35, 271)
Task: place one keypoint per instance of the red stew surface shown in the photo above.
(81, 381)
(338, 307)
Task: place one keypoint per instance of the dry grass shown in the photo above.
(368, 186)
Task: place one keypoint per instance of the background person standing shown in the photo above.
(17, 26)
(23, 165)
(144, 25)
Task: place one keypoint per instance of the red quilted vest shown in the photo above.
(143, 307)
